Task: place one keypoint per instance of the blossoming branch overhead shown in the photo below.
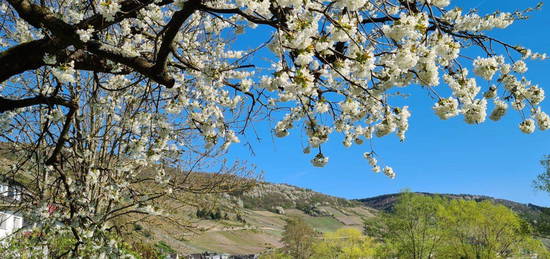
(333, 67)
(101, 100)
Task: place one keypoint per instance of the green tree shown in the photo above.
(485, 230)
(345, 243)
(542, 182)
(413, 229)
(375, 227)
(298, 238)
(422, 226)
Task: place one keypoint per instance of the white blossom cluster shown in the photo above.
(329, 88)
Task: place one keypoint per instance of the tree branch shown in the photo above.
(138, 63)
(62, 136)
(26, 56)
(171, 30)
(42, 17)
(129, 8)
(10, 105)
(379, 19)
(87, 61)
(238, 11)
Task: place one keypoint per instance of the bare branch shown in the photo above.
(238, 11)
(62, 136)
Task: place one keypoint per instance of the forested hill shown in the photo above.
(538, 216)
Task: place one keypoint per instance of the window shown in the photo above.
(3, 190)
(17, 222)
(17, 193)
(4, 221)
(10, 191)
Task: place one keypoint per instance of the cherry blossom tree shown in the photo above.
(92, 92)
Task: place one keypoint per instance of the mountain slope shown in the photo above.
(250, 222)
(258, 221)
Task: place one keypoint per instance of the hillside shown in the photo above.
(251, 222)
(257, 222)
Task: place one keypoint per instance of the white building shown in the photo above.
(9, 223)
(9, 220)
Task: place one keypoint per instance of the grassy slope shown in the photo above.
(263, 227)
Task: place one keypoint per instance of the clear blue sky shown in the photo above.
(493, 159)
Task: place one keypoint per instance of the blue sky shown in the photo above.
(493, 159)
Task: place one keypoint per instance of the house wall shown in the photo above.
(9, 223)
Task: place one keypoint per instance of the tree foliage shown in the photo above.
(485, 230)
(542, 182)
(413, 229)
(345, 243)
(423, 226)
(298, 238)
(301, 242)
